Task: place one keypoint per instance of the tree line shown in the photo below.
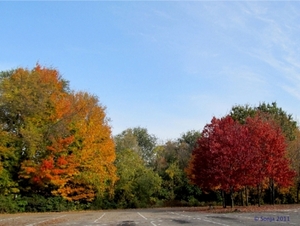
(57, 153)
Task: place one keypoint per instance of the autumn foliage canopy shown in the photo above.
(57, 153)
(59, 139)
(230, 155)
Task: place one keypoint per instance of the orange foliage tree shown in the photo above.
(93, 149)
(62, 137)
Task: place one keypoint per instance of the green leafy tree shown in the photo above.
(138, 184)
(190, 138)
(286, 122)
(140, 141)
(171, 160)
(8, 165)
(271, 111)
(294, 155)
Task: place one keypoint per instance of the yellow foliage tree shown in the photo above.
(93, 149)
(62, 138)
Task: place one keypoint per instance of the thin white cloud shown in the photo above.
(244, 75)
(294, 91)
(277, 46)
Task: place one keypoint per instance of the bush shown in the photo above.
(38, 203)
(103, 203)
(12, 204)
(193, 201)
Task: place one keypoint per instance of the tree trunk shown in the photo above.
(231, 197)
(298, 187)
(258, 194)
(223, 199)
(246, 191)
(273, 192)
(242, 197)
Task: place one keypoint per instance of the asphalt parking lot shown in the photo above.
(152, 217)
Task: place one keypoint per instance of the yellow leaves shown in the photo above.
(30, 170)
(92, 148)
(61, 104)
(76, 191)
(64, 136)
(96, 151)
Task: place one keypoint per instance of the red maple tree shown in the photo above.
(230, 156)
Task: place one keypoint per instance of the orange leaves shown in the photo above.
(75, 191)
(50, 171)
(47, 164)
(91, 146)
(64, 139)
(91, 129)
(60, 144)
(62, 162)
(29, 170)
(48, 76)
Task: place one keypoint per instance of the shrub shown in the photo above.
(12, 204)
(38, 203)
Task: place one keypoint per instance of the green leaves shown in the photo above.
(269, 111)
(61, 140)
(140, 141)
(137, 183)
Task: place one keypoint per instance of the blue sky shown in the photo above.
(168, 66)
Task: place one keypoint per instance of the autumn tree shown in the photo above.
(93, 147)
(217, 159)
(231, 155)
(26, 111)
(61, 138)
(270, 155)
(282, 119)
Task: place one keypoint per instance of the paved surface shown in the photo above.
(152, 217)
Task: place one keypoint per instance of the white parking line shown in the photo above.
(99, 218)
(179, 214)
(45, 220)
(152, 222)
(142, 216)
(7, 219)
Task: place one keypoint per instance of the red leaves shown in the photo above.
(47, 164)
(230, 155)
(61, 161)
(60, 137)
(268, 150)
